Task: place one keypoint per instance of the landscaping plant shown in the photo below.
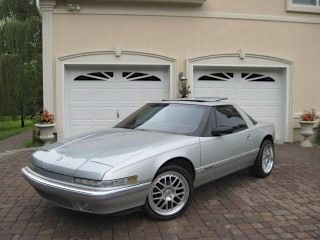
(20, 59)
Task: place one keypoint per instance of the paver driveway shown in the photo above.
(285, 205)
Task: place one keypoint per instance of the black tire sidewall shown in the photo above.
(175, 168)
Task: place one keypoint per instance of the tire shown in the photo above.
(170, 194)
(265, 160)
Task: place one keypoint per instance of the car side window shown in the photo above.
(228, 116)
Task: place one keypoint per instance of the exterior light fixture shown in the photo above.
(184, 88)
(73, 7)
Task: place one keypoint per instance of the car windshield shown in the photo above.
(185, 119)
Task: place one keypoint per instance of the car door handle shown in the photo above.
(248, 136)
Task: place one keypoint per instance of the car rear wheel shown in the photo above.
(170, 194)
(265, 160)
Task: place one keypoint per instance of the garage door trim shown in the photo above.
(104, 58)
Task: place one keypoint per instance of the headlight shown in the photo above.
(88, 182)
(109, 183)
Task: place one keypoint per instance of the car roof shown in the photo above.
(200, 101)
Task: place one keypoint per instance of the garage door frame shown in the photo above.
(104, 58)
(251, 61)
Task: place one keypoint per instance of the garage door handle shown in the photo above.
(118, 115)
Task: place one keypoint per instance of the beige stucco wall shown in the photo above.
(187, 37)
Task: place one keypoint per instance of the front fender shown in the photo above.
(147, 168)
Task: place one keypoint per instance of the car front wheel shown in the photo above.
(170, 194)
(265, 160)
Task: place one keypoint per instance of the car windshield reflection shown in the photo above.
(170, 118)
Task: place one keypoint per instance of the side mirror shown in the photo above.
(219, 131)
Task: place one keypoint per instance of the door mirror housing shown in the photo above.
(219, 131)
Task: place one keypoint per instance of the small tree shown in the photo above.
(20, 58)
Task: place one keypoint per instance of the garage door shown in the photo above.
(257, 91)
(99, 97)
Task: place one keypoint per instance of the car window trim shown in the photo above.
(209, 124)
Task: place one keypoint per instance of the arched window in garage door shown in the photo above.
(216, 77)
(95, 76)
(138, 76)
(254, 77)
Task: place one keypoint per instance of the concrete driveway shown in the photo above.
(285, 205)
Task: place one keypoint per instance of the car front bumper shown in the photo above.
(94, 200)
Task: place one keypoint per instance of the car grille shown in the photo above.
(52, 175)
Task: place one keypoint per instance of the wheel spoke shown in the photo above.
(163, 185)
(162, 204)
(267, 158)
(180, 188)
(157, 198)
(175, 181)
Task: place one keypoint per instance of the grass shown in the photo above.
(10, 128)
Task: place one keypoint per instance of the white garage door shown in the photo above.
(99, 97)
(258, 91)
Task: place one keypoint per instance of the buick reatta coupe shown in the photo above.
(152, 159)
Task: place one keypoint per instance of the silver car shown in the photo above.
(154, 158)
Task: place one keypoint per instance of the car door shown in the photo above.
(230, 151)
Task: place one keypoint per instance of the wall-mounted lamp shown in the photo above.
(184, 88)
(182, 77)
(73, 7)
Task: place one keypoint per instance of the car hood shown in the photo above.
(92, 155)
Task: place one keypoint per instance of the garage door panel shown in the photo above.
(263, 112)
(258, 93)
(104, 113)
(247, 94)
(266, 94)
(105, 95)
(259, 85)
(103, 104)
(129, 95)
(80, 113)
(141, 85)
(200, 92)
(155, 94)
(95, 98)
(223, 92)
(103, 127)
(104, 123)
(81, 95)
(80, 104)
(74, 130)
(260, 103)
(271, 112)
(214, 85)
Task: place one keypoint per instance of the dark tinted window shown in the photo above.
(228, 116)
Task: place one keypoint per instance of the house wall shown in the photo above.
(185, 31)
